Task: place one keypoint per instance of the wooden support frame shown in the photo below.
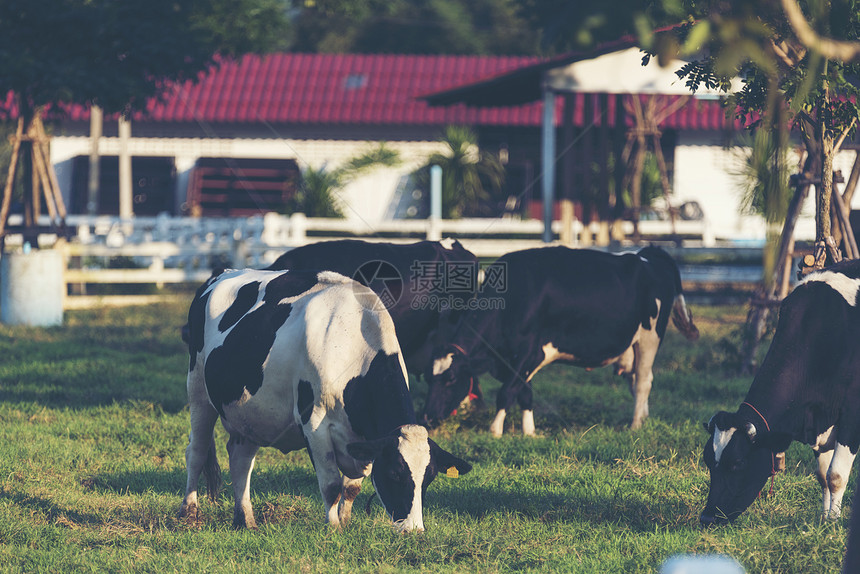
(645, 134)
(34, 142)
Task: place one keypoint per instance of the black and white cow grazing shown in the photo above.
(586, 308)
(808, 390)
(404, 276)
(305, 359)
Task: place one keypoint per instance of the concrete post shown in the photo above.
(32, 288)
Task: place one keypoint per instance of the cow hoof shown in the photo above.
(239, 524)
(190, 513)
(188, 510)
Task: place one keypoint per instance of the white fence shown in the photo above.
(164, 249)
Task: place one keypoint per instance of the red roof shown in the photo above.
(354, 89)
(336, 89)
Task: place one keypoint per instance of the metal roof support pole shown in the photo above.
(548, 161)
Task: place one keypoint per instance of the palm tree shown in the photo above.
(470, 177)
(764, 177)
(318, 190)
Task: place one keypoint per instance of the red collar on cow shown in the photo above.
(472, 394)
(459, 348)
(772, 454)
(767, 426)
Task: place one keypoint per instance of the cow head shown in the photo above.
(449, 381)
(740, 458)
(404, 465)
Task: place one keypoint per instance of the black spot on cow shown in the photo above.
(379, 400)
(305, 401)
(238, 363)
(245, 299)
(290, 284)
(196, 320)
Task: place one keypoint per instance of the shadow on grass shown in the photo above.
(50, 509)
(630, 513)
(294, 481)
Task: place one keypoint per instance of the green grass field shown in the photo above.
(94, 424)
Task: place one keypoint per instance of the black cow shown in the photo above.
(409, 280)
(294, 359)
(808, 390)
(582, 307)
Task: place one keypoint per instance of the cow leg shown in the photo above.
(200, 453)
(351, 489)
(645, 351)
(524, 398)
(518, 388)
(328, 474)
(242, 453)
(837, 478)
(824, 459)
(506, 398)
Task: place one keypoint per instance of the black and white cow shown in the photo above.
(586, 308)
(404, 276)
(808, 390)
(305, 359)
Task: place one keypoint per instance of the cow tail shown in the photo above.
(212, 472)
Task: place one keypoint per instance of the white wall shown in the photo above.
(366, 199)
(621, 72)
(706, 172)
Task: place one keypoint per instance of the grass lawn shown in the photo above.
(94, 424)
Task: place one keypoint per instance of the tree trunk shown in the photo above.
(770, 291)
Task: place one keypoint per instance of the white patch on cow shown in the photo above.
(414, 447)
(447, 243)
(442, 364)
(721, 441)
(498, 425)
(528, 422)
(837, 478)
(823, 440)
(550, 354)
(332, 278)
(222, 293)
(843, 285)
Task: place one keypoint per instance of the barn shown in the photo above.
(233, 143)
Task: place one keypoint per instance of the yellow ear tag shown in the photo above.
(452, 472)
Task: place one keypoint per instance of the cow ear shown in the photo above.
(368, 450)
(445, 461)
(776, 441)
(709, 426)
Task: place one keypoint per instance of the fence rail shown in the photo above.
(163, 250)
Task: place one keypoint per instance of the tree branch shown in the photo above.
(827, 47)
(844, 133)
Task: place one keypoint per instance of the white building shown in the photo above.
(258, 120)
